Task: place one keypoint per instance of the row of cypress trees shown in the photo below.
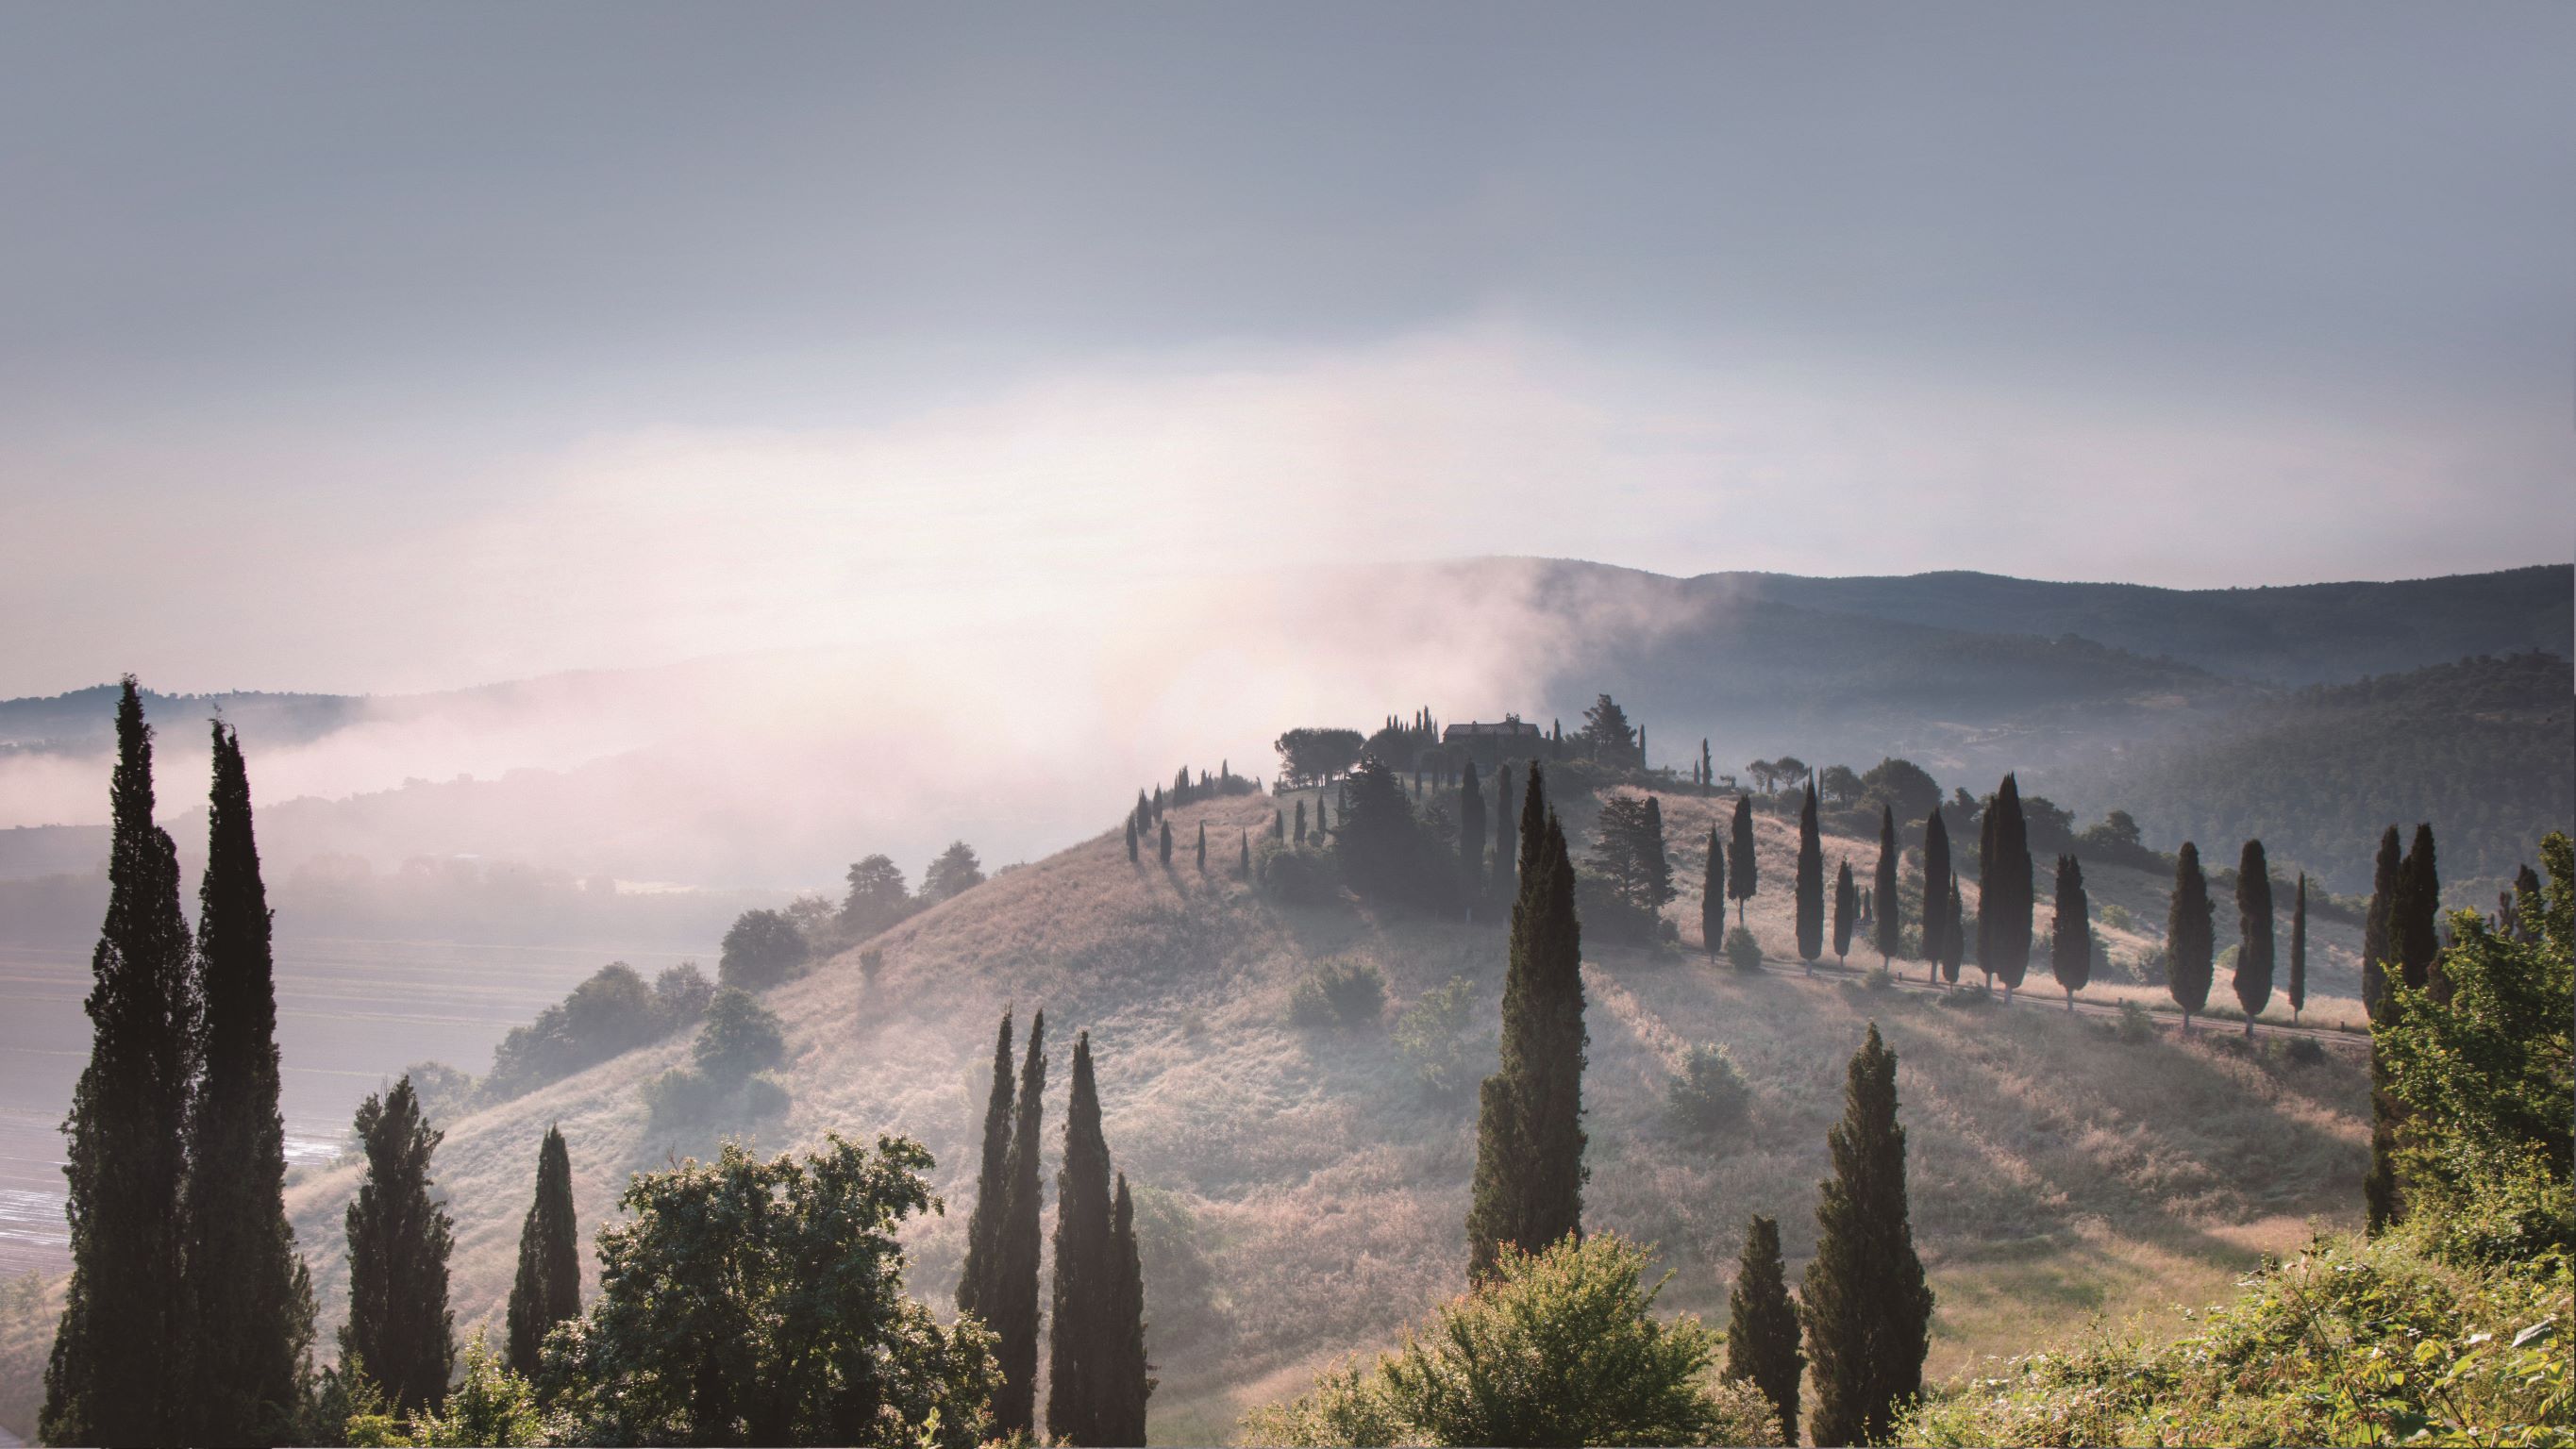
(1098, 1379)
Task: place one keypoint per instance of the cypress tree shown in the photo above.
(249, 1299)
(1712, 897)
(116, 1375)
(1652, 862)
(1323, 817)
(976, 1280)
(2413, 939)
(1131, 840)
(548, 1288)
(1953, 936)
(1811, 883)
(1843, 913)
(1202, 847)
(1301, 822)
(1937, 893)
(1529, 1132)
(1279, 822)
(2188, 942)
(1884, 907)
(2070, 934)
(1243, 858)
(1471, 833)
(1506, 883)
(1707, 770)
(2414, 901)
(2375, 954)
(2004, 900)
(1129, 1381)
(1762, 1325)
(1158, 802)
(1163, 850)
(1867, 1308)
(2299, 950)
(2253, 933)
(1010, 1301)
(1081, 1348)
(399, 1326)
(1742, 875)
(1985, 880)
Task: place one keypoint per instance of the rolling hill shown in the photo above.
(1303, 1198)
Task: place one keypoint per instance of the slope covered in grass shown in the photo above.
(1303, 1197)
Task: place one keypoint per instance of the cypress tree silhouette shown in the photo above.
(1163, 849)
(2413, 940)
(2005, 892)
(1712, 897)
(1953, 937)
(548, 1288)
(1323, 817)
(1010, 1300)
(1937, 894)
(1762, 1325)
(1529, 1133)
(2375, 954)
(249, 1300)
(1742, 874)
(2070, 933)
(1811, 883)
(977, 1279)
(2299, 951)
(1130, 1378)
(1506, 884)
(1243, 858)
(1868, 1311)
(2253, 933)
(2188, 942)
(1081, 1350)
(1843, 913)
(1301, 822)
(110, 1378)
(399, 1326)
(2413, 902)
(1279, 822)
(1885, 908)
(1985, 881)
(1471, 834)
(1202, 847)
(1131, 840)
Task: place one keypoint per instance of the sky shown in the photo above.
(386, 349)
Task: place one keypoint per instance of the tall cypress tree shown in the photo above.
(1811, 883)
(1742, 874)
(1886, 911)
(2188, 943)
(1471, 833)
(547, 1290)
(2070, 932)
(2414, 903)
(1129, 1382)
(976, 1279)
(2004, 905)
(1010, 1303)
(1163, 849)
(249, 1298)
(1243, 859)
(399, 1325)
(2253, 933)
(1131, 840)
(1202, 847)
(2375, 954)
(1843, 919)
(1953, 936)
(116, 1375)
(2413, 938)
(1986, 856)
(1762, 1325)
(1712, 896)
(1867, 1308)
(1652, 863)
(1529, 1132)
(2299, 951)
(1507, 879)
(1937, 892)
(1081, 1349)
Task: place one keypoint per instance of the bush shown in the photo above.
(2137, 1024)
(683, 1098)
(1298, 877)
(1742, 951)
(1710, 1093)
(1972, 996)
(1345, 993)
(761, 949)
(1561, 1348)
(1431, 1036)
(1878, 978)
(740, 1037)
(2300, 1051)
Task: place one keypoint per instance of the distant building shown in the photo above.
(1510, 738)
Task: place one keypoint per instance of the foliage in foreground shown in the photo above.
(1558, 1347)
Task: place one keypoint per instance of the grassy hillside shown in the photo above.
(1303, 1198)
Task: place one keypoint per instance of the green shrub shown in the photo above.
(2300, 1051)
(1561, 1348)
(1431, 1036)
(1300, 877)
(1878, 978)
(1709, 1094)
(1338, 993)
(2137, 1024)
(1742, 951)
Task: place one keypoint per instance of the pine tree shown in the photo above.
(1937, 892)
(2299, 951)
(1506, 884)
(1529, 1133)
(1131, 840)
(1712, 897)
(1129, 1382)
(2004, 898)
(1811, 883)
(2070, 933)
(116, 1375)
(1471, 833)
(1010, 1301)
(399, 1326)
(2375, 954)
(2253, 933)
(1843, 913)
(1081, 1350)
(1762, 1325)
(977, 1279)
(548, 1288)
(1742, 875)
(1884, 907)
(1163, 849)
(249, 1300)
(1202, 847)
(2188, 943)
(1867, 1309)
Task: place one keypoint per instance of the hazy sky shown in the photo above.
(397, 347)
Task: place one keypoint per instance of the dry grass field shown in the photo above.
(1303, 1197)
